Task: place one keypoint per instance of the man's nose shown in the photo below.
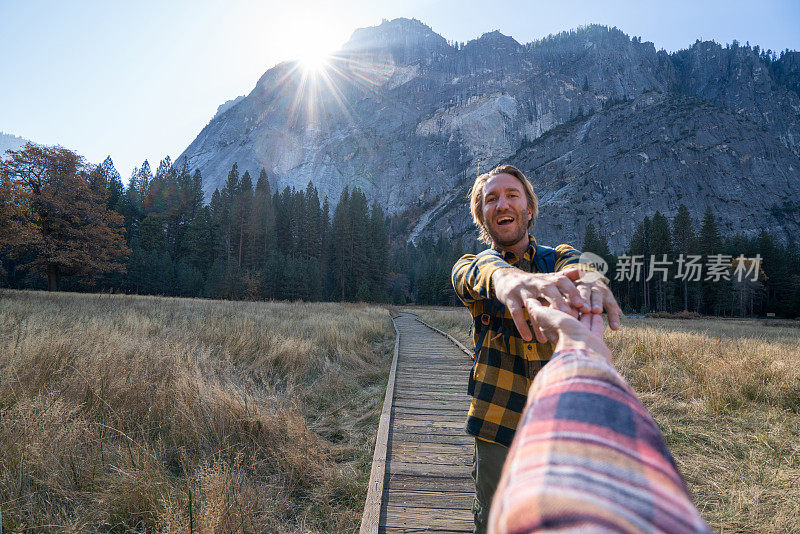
(502, 202)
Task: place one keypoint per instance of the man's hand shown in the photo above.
(596, 294)
(518, 290)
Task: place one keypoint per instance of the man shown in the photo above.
(499, 286)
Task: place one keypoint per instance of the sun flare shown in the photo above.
(313, 61)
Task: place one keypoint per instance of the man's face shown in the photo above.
(505, 210)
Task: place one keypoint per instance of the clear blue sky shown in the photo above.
(139, 80)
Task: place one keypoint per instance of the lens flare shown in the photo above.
(313, 61)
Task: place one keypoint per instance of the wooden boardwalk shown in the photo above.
(421, 474)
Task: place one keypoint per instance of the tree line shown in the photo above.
(683, 268)
(66, 224)
(156, 236)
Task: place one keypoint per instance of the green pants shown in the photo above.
(487, 465)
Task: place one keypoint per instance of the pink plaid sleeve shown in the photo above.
(588, 457)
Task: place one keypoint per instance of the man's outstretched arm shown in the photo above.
(472, 276)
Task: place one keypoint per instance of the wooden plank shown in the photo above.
(432, 426)
(428, 422)
(435, 380)
(434, 356)
(450, 366)
(431, 483)
(427, 370)
(431, 405)
(440, 394)
(458, 500)
(372, 507)
(407, 468)
(432, 460)
(442, 378)
(428, 518)
(440, 391)
(400, 530)
(460, 413)
(442, 406)
(434, 376)
(400, 447)
(462, 438)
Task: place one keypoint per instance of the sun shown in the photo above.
(314, 60)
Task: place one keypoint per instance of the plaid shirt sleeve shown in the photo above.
(588, 457)
(472, 275)
(566, 257)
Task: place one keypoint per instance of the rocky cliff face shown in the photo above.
(607, 128)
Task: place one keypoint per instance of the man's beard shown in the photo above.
(520, 234)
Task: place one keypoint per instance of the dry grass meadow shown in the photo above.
(726, 394)
(122, 413)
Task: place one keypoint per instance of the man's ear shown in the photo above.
(530, 215)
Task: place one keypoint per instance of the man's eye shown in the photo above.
(490, 199)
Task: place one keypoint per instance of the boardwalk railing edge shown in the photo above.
(372, 507)
(448, 336)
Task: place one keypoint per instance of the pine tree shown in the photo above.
(378, 253)
(283, 229)
(660, 249)
(358, 222)
(218, 211)
(262, 222)
(196, 193)
(164, 168)
(778, 274)
(243, 205)
(141, 180)
(151, 234)
(341, 246)
(640, 247)
(325, 248)
(682, 238)
(115, 187)
(227, 195)
(709, 243)
(312, 235)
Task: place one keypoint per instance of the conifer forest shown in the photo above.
(69, 225)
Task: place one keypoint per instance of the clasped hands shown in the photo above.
(582, 297)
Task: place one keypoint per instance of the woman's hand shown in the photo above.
(568, 333)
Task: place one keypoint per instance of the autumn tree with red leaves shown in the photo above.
(70, 229)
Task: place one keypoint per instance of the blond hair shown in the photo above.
(476, 198)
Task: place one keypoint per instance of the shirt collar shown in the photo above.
(510, 257)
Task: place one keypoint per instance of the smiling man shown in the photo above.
(498, 286)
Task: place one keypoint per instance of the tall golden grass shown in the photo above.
(122, 413)
(726, 394)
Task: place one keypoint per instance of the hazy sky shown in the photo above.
(139, 80)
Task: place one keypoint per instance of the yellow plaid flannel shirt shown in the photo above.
(502, 375)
